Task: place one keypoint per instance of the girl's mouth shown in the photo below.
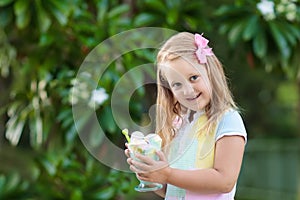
(193, 98)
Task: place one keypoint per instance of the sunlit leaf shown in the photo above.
(76, 194)
(145, 19)
(106, 193)
(22, 13)
(44, 20)
(60, 10)
(102, 7)
(46, 39)
(172, 16)
(118, 10)
(49, 166)
(14, 128)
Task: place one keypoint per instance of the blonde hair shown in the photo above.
(182, 45)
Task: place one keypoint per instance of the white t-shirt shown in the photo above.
(184, 152)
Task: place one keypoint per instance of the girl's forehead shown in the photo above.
(181, 67)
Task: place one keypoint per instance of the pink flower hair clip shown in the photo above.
(202, 50)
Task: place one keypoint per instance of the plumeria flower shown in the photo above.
(266, 8)
(287, 8)
(98, 97)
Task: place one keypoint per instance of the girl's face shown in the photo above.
(190, 85)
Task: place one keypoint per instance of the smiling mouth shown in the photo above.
(191, 99)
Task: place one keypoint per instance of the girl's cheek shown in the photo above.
(177, 93)
(177, 96)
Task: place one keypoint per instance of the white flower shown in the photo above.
(280, 8)
(291, 16)
(291, 7)
(99, 96)
(287, 8)
(266, 8)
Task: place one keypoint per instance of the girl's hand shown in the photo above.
(126, 151)
(148, 169)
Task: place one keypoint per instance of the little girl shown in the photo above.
(203, 133)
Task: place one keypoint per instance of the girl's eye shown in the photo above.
(176, 85)
(194, 78)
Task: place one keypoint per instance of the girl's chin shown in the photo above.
(195, 108)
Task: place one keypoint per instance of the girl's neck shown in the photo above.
(190, 115)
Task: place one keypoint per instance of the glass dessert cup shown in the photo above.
(145, 186)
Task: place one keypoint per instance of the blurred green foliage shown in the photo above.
(44, 42)
(270, 30)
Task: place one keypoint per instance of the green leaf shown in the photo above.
(252, 27)
(260, 44)
(191, 22)
(118, 10)
(231, 11)
(137, 77)
(294, 30)
(173, 4)
(280, 40)
(107, 120)
(156, 5)
(44, 20)
(172, 16)
(60, 10)
(49, 167)
(5, 2)
(22, 13)
(76, 194)
(193, 6)
(2, 184)
(96, 137)
(104, 194)
(46, 39)
(14, 129)
(236, 32)
(224, 28)
(144, 19)
(12, 182)
(6, 17)
(290, 32)
(102, 8)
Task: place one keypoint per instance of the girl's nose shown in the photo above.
(188, 89)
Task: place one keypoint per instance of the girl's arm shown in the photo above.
(221, 178)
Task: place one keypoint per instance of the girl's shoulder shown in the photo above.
(231, 123)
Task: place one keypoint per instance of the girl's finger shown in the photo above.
(140, 165)
(144, 159)
(127, 152)
(129, 161)
(161, 155)
(141, 176)
(136, 170)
